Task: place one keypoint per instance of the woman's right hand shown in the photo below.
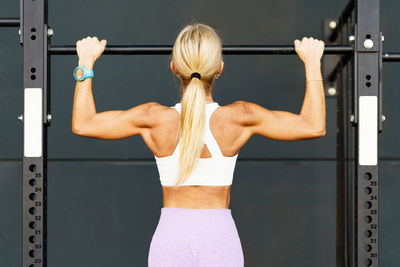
(309, 49)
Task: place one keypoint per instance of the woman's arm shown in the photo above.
(83, 105)
(283, 125)
(113, 124)
(313, 109)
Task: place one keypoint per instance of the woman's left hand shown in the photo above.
(90, 48)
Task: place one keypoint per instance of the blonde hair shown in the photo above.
(197, 48)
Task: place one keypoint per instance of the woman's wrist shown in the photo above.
(313, 69)
(86, 63)
(312, 62)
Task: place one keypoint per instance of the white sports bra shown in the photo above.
(214, 171)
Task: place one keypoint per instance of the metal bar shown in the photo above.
(229, 50)
(342, 19)
(34, 160)
(9, 22)
(340, 170)
(391, 57)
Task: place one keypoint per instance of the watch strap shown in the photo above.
(87, 73)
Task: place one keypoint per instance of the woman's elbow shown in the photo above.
(319, 133)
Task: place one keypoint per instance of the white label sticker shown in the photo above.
(33, 122)
(368, 131)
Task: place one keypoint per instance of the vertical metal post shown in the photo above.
(34, 162)
(349, 136)
(367, 50)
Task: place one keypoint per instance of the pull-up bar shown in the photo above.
(228, 50)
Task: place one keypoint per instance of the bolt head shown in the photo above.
(383, 118)
(19, 32)
(383, 38)
(368, 44)
(332, 24)
(352, 118)
(20, 117)
(50, 32)
(49, 117)
(332, 91)
(352, 38)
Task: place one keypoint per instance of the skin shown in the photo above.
(232, 125)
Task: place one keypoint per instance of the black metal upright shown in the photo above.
(368, 58)
(33, 28)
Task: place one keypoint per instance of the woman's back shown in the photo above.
(229, 135)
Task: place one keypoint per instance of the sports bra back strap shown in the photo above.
(209, 139)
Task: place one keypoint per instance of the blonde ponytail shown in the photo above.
(197, 49)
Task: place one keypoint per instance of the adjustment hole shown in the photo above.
(368, 204)
(368, 248)
(32, 210)
(32, 196)
(368, 36)
(32, 253)
(32, 265)
(368, 219)
(368, 84)
(32, 225)
(367, 233)
(32, 182)
(33, 30)
(33, 70)
(33, 37)
(32, 239)
(368, 190)
(368, 262)
(32, 167)
(368, 77)
(367, 176)
(33, 77)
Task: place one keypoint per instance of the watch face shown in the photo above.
(79, 73)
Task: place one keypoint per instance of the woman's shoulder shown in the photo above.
(238, 111)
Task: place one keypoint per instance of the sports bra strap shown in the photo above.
(208, 138)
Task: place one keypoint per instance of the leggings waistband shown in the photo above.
(196, 211)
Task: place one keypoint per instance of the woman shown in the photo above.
(196, 227)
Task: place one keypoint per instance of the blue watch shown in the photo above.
(86, 73)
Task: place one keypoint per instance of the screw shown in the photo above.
(20, 117)
(332, 24)
(352, 38)
(50, 32)
(48, 118)
(383, 38)
(19, 32)
(368, 44)
(332, 91)
(351, 117)
(383, 118)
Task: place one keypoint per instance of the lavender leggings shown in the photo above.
(195, 238)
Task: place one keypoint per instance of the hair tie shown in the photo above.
(195, 74)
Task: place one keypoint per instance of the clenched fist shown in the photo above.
(309, 49)
(90, 48)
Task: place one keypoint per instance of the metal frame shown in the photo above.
(359, 120)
